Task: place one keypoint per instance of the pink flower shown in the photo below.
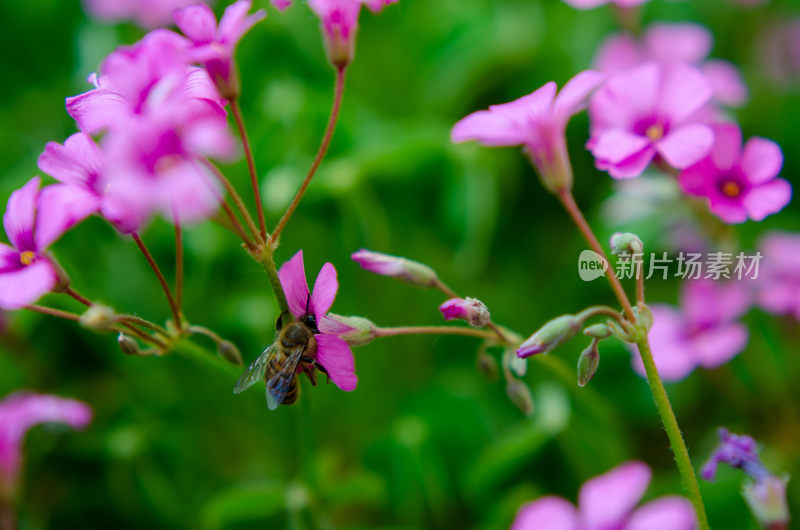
(339, 25)
(33, 220)
(608, 502)
(333, 353)
(20, 412)
(472, 310)
(146, 13)
(538, 122)
(648, 111)
(703, 331)
(739, 184)
(281, 5)
(590, 4)
(689, 43)
(778, 285)
(779, 51)
(214, 45)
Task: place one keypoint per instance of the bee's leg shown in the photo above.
(324, 371)
(310, 373)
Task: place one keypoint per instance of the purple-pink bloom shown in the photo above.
(778, 285)
(339, 20)
(736, 450)
(21, 411)
(739, 183)
(538, 122)
(281, 5)
(703, 331)
(214, 45)
(33, 220)
(472, 310)
(590, 4)
(648, 112)
(684, 42)
(333, 353)
(608, 502)
(146, 13)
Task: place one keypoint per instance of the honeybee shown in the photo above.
(294, 346)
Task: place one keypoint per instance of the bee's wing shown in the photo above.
(279, 384)
(255, 372)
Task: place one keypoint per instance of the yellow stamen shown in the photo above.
(731, 189)
(655, 132)
(27, 257)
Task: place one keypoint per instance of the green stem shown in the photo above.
(670, 423)
(433, 330)
(268, 262)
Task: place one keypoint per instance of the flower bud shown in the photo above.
(552, 334)
(597, 331)
(98, 316)
(228, 351)
(626, 243)
(767, 501)
(361, 330)
(472, 310)
(396, 267)
(588, 363)
(487, 365)
(520, 396)
(127, 345)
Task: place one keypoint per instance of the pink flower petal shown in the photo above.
(552, 513)
(292, 275)
(727, 145)
(331, 326)
(235, 22)
(686, 145)
(762, 159)
(9, 258)
(633, 166)
(61, 206)
(96, 109)
(21, 214)
(690, 43)
(26, 285)
(324, 293)
(626, 97)
(616, 145)
(197, 22)
(336, 357)
(665, 513)
(684, 91)
(489, 129)
(717, 346)
(605, 501)
(767, 199)
(729, 212)
(729, 87)
(281, 5)
(78, 161)
(618, 52)
(572, 98)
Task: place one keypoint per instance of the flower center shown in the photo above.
(655, 132)
(731, 189)
(27, 257)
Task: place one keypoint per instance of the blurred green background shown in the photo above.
(425, 441)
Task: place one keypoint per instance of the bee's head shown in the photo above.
(310, 320)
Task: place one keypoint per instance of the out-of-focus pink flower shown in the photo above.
(162, 117)
(146, 13)
(472, 310)
(333, 353)
(685, 42)
(537, 122)
(648, 112)
(736, 450)
(590, 4)
(214, 45)
(739, 184)
(609, 501)
(20, 412)
(779, 51)
(339, 25)
(778, 285)
(281, 5)
(33, 220)
(703, 331)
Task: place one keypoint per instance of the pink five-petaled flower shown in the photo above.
(608, 501)
(339, 24)
(739, 183)
(20, 412)
(648, 112)
(703, 331)
(537, 122)
(214, 45)
(146, 13)
(778, 286)
(689, 43)
(333, 353)
(590, 4)
(33, 220)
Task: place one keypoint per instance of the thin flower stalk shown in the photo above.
(251, 166)
(74, 294)
(178, 264)
(237, 199)
(153, 265)
(432, 330)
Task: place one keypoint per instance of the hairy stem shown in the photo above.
(323, 148)
(251, 166)
(688, 477)
(433, 330)
(176, 316)
(568, 201)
